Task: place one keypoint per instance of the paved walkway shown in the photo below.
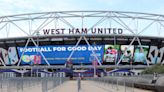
(88, 86)
(71, 86)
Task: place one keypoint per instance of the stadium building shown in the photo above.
(103, 39)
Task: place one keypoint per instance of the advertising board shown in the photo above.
(8, 56)
(111, 53)
(58, 54)
(140, 55)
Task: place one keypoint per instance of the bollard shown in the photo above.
(21, 85)
(109, 82)
(1, 84)
(60, 81)
(54, 84)
(132, 86)
(117, 84)
(125, 84)
(78, 84)
(105, 82)
(8, 86)
(17, 85)
(44, 85)
(112, 83)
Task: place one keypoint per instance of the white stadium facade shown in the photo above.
(114, 39)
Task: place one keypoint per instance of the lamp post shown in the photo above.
(37, 51)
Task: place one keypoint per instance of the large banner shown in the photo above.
(58, 54)
(8, 56)
(141, 54)
(156, 55)
(127, 51)
(111, 53)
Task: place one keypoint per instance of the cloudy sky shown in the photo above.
(9, 7)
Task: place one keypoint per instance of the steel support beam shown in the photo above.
(40, 52)
(147, 62)
(92, 50)
(24, 49)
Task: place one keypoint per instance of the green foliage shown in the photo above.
(156, 68)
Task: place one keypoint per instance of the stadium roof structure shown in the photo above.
(74, 27)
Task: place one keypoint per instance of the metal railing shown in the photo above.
(114, 83)
(18, 84)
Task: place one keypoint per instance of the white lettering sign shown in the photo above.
(85, 31)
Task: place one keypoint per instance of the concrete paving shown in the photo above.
(88, 86)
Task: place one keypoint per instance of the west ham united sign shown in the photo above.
(86, 31)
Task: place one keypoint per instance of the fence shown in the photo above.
(114, 83)
(126, 84)
(34, 84)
